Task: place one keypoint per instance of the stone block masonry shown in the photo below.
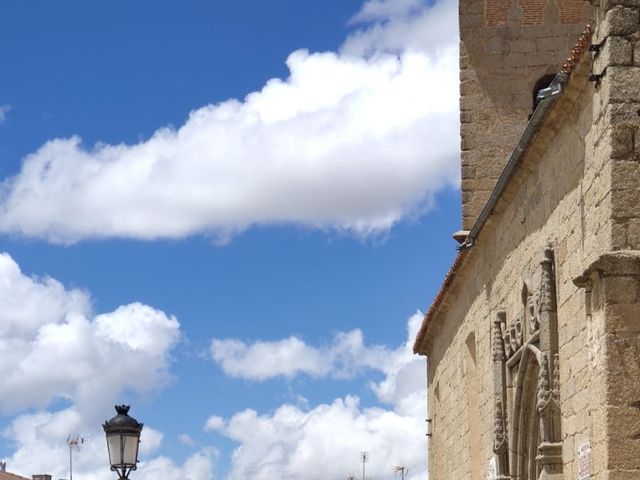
(506, 48)
(534, 364)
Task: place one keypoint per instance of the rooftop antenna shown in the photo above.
(364, 456)
(74, 443)
(400, 469)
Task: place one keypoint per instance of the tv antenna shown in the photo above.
(401, 469)
(74, 443)
(364, 456)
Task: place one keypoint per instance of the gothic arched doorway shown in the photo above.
(526, 421)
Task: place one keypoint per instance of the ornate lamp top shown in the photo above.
(122, 409)
(122, 421)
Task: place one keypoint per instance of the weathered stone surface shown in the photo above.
(636, 52)
(505, 49)
(621, 20)
(607, 4)
(621, 141)
(575, 192)
(620, 85)
(616, 51)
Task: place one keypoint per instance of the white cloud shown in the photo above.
(264, 360)
(40, 447)
(349, 141)
(45, 325)
(150, 440)
(53, 347)
(345, 356)
(386, 10)
(198, 466)
(353, 141)
(407, 25)
(214, 423)
(404, 385)
(186, 439)
(289, 357)
(325, 441)
(4, 111)
(29, 303)
(153, 333)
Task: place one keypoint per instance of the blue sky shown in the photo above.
(227, 214)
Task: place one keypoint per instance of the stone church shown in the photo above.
(533, 341)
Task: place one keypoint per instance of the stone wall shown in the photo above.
(576, 193)
(506, 47)
(556, 197)
(612, 283)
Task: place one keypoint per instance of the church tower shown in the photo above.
(509, 49)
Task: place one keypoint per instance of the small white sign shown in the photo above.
(584, 461)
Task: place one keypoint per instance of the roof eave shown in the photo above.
(547, 98)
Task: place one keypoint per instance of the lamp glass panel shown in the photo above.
(115, 452)
(130, 448)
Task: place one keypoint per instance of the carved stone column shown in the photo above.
(547, 310)
(549, 456)
(500, 440)
(548, 403)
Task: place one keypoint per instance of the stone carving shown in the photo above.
(500, 442)
(500, 435)
(546, 391)
(506, 340)
(496, 344)
(522, 348)
(547, 283)
(556, 376)
(549, 458)
(525, 325)
(549, 400)
(532, 313)
(512, 337)
(516, 333)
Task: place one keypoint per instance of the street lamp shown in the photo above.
(123, 437)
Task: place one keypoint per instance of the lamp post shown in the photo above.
(123, 437)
